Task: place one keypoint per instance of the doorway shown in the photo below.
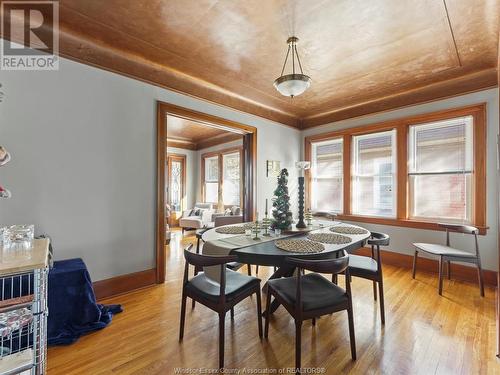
(231, 176)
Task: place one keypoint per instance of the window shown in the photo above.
(327, 176)
(373, 174)
(176, 179)
(231, 179)
(440, 170)
(414, 171)
(212, 179)
(222, 177)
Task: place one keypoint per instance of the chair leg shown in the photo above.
(298, 343)
(440, 275)
(375, 290)
(352, 339)
(381, 295)
(183, 317)
(256, 269)
(198, 246)
(268, 308)
(415, 263)
(448, 269)
(259, 312)
(480, 277)
(249, 270)
(232, 313)
(222, 321)
(334, 279)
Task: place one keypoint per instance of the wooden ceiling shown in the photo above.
(363, 56)
(191, 135)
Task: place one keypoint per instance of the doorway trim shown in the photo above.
(250, 154)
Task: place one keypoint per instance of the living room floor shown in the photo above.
(424, 333)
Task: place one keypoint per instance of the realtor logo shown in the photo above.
(30, 35)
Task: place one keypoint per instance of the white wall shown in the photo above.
(192, 172)
(83, 167)
(402, 238)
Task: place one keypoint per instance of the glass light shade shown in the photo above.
(292, 84)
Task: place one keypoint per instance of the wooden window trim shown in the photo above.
(220, 154)
(477, 111)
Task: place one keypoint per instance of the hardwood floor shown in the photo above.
(424, 333)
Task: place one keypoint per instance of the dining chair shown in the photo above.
(311, 295)
(449, 254)
(219, 297)
(370, 268)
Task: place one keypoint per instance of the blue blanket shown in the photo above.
(73, 310)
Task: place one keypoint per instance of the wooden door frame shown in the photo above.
(162, 110)
(182, 158)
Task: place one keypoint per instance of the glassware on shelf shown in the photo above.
(18, 237)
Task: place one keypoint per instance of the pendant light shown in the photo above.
(295, 83)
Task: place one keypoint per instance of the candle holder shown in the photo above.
(256, 230)
(266, 224)
(309, 217)
(301, 166)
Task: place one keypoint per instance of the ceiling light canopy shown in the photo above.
(295, 83)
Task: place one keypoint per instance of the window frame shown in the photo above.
(394, 162)
(402, 125)
(332, 140)
(412, 170)
(219, 154)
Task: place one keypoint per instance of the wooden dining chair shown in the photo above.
(219, 297)
(449, 254)
(370, 268)
(309, 296)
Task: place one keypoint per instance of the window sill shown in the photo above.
(401, 222)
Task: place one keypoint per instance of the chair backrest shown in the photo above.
(199, 261)
(459, 228)
(206, 206)
(467, 229)
(379, 239)
(326, 214)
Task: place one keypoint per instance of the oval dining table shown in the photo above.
(263, 251)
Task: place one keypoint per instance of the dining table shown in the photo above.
(262, 250)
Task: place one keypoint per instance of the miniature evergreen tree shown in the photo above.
(281, 203)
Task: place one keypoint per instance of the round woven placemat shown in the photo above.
(348, 230)
(330, 238)
(300, 246)
(234, 229)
